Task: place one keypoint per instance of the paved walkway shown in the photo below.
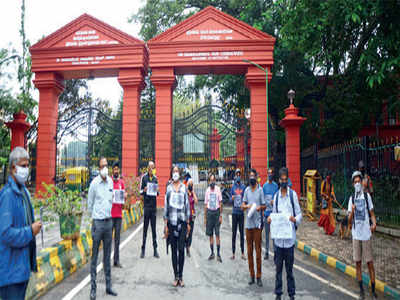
(386, 250)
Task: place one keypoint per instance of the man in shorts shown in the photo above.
(363, 222)
(213, 216)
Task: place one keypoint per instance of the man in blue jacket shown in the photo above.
(237, 193)
(17, 230)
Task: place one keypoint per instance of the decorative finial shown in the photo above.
(291, 95)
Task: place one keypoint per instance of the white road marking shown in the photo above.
(315, 276)
(85, 281)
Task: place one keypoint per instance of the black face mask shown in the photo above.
(284, 185)
(190, 188)
(270, 177)
(253, 181)
(115, 176)
(212, 185)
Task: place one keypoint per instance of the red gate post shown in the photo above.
(255, 80)
(215, 141)
(132, 82)
(18, 127)
(163, 80)
(50, 87)
(292, 123)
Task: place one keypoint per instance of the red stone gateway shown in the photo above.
(209, 42)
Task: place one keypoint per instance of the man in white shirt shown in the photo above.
(363, 221)
(286, 202)
(99, 205)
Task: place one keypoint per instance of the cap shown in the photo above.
(355, 174)
(237, 171)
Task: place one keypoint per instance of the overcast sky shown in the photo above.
(43, 17)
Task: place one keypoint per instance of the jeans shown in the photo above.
(237, 221)
(178, 249)
(116, 223)
(149, 215)
(14, 291)
(253, 237)
(189, 238)
(267, 231)
(101, 231)
(284, 255)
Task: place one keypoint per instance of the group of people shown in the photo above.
(106, 197)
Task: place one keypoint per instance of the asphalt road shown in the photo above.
(151, 278)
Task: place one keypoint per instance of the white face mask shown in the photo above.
(21, 174)
(175, 176)
(104, 172)
(358, 187)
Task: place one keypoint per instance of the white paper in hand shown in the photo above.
(152, 189)
(281, 226)
(252, 210)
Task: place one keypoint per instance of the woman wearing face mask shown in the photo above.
(176, 221)
(192, 201)
(213, 216)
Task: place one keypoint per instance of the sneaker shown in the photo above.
(233, 257)
(291, 297)
(251, 281)
(188, 252)
(266, 257)
(118, 265)
(362, 295)
(374, 295)
(219, 258)
(278, 297)
(243, 256)
(259, 282)
(156, 255)
(142, 254)
(211, 257)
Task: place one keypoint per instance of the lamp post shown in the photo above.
(265, 70)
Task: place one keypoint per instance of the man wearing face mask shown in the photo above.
(286, 202)
(100, 199)
(149, 182)
(17, 230)
(193, 202)
(116, 210)
(213, 216)
(366, 181)
(253, 201)
(362, 218)
(237, 193)
(269, 189)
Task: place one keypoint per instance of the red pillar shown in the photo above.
(215, 140)
(18, 127)
(50, 87)
(131, 81)
(163, 80)
(255, 80)
(292, 123)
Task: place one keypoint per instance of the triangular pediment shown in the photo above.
(210, 24)
(86, 31)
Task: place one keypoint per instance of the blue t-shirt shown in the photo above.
(269, 190)
(237, 192)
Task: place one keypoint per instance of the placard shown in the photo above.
(152, 189)
(119, 197)
(281, 227)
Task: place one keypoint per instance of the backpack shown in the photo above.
(291, 202)
(366, 200)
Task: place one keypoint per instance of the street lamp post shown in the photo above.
(265, 70)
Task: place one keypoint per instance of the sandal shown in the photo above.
(176, 283)
(181, 283)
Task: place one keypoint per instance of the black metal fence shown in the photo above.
(382, 163)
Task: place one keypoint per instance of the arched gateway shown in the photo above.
(209, 42)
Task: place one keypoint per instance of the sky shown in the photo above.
(43, 17)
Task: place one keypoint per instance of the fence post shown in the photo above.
(316, 157)
(366, 154)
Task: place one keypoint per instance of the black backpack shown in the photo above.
(366, 200)
(291, 202)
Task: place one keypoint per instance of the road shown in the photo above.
(151, 278)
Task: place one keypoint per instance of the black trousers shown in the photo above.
(15, 291)
(101, 232)
(284, 255)
(189, 238)
(178, 238)
(237, 221)
(116, 223)
(149, 216)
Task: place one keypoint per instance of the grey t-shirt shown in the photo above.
(250, 198)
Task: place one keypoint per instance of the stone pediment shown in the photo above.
(208, 25)
(86, 31)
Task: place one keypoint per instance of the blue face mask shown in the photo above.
(284, 185)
